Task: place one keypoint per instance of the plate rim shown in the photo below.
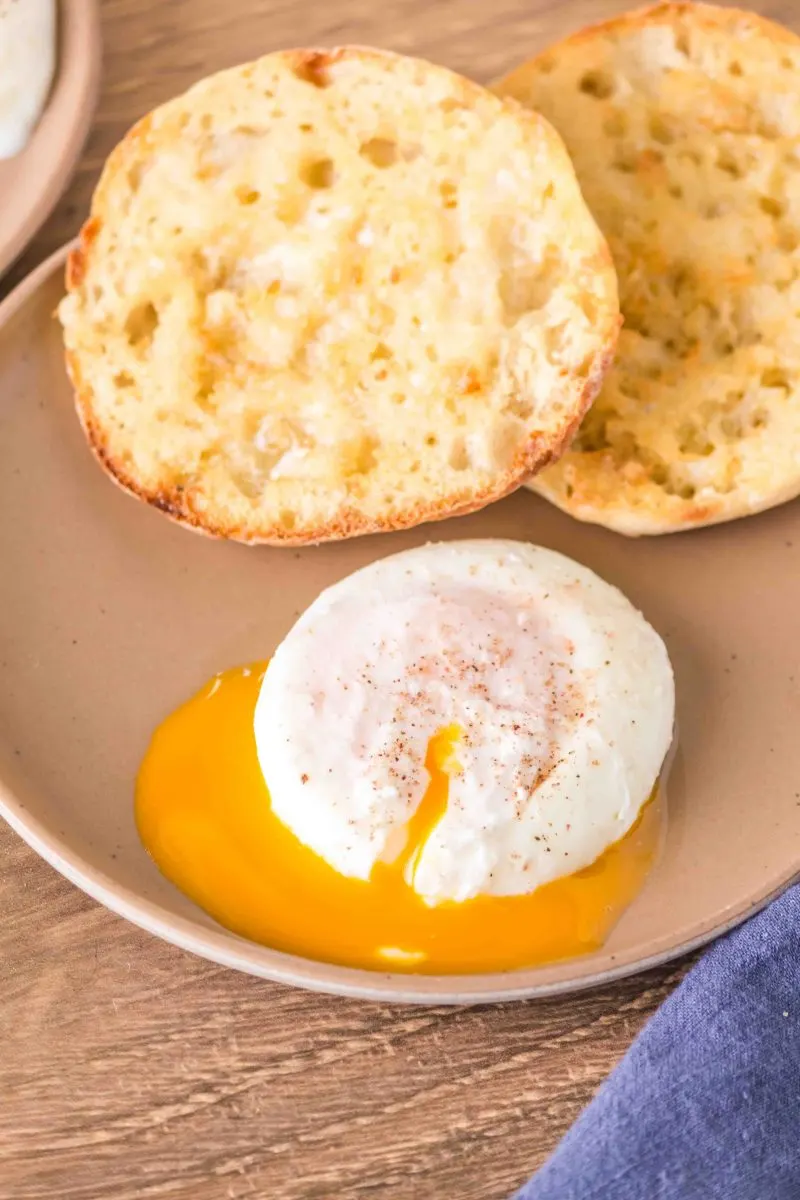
(78, 23)
(221, 946)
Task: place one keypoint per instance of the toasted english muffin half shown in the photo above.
(683, 123)
(330, 293)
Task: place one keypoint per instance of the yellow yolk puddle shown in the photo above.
(203, 813)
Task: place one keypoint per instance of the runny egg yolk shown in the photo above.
(203, 813)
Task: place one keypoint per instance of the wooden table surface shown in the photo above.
(130, 1070)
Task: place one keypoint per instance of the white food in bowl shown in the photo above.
(27, 66)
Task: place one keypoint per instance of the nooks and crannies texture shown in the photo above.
(334, 292)
(683, 124)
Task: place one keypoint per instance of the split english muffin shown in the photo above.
(329, 293)
(683, 123)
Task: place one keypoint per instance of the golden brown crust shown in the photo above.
(698, 421)
(189, 506)
(78, 258)
(708, 16)
(350, 523)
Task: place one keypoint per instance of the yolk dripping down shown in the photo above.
(440, 763)
(203, 813)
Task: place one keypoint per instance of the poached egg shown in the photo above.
(547, 697)
(445, 767)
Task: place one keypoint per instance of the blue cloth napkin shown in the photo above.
(706, 1103)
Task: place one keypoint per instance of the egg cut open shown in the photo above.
(529, 707)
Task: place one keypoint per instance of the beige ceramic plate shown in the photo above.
(31, 183)
(110, 616)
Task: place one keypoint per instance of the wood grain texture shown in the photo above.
(132, 1071)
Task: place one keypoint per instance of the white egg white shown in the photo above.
(562, 694)
(27, 64)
